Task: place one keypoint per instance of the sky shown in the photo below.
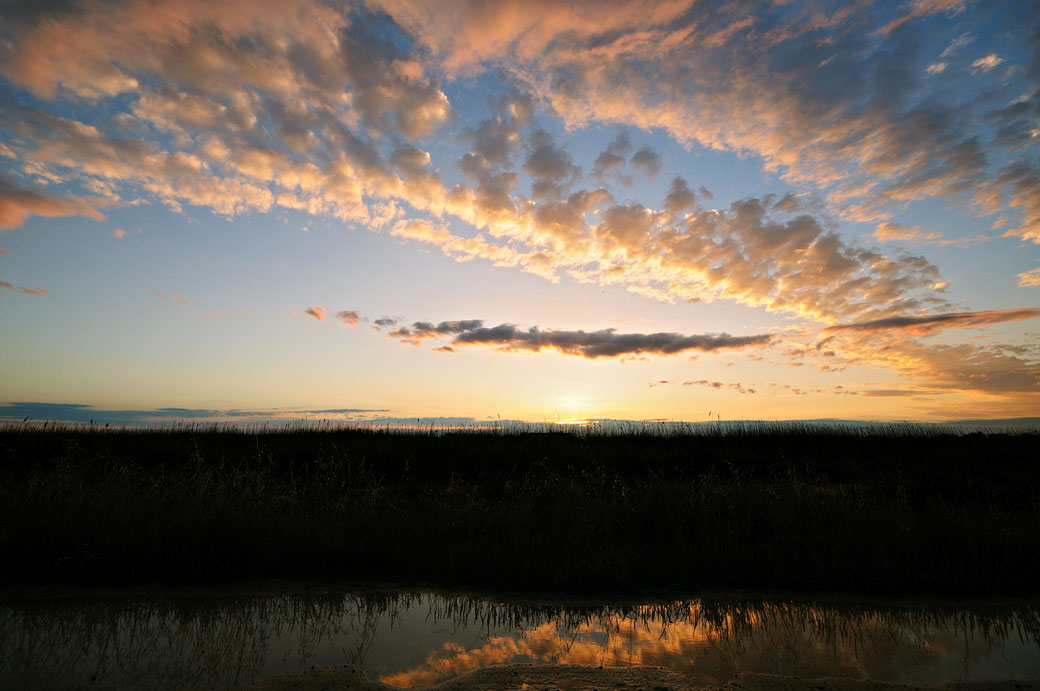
(524, 210)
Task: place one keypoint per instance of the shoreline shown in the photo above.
(527, 677)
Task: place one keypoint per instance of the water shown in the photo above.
(182, 640)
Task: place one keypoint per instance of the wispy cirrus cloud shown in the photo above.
(7, 285)
(890, 232)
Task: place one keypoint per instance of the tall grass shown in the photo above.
(906, 511)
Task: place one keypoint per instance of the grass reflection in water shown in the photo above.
(419, 639)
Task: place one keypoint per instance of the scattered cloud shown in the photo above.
(986, 64)
(347, 317)
(330, 110)
(251, 110)
(736, 386)
(647, 161)
(613, 158)
(730, 76)
(119, 233)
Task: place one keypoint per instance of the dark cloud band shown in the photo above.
(937, 322)
(605, 343)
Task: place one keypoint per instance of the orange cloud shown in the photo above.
(889, 232)
(316, 312)
(348, 317)
(18, 203)
(1029, 278)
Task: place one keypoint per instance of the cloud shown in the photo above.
(613, 158)
(18, 203)
(648, 161)
(1029, 278)
(80, 413)
(308, 108)
(924, 8)
(550, 167)
(888, 393)
(928, 324)
(605, 343)
(422, 330)
(22, 289)
(254, 110)
(316, 312)
(893, 232)
(743, 253)
(875, 132)
(119, 233)
(346, 317)
(679, 198)
(736, 386)
(994, 371)
(986, 64)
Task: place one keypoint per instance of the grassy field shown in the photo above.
(903, 510)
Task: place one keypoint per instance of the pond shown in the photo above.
(182, 639)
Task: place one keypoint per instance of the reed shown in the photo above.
(887, 510)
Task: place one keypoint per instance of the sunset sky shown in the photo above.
(532, 210)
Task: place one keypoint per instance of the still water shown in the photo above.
(194, 640)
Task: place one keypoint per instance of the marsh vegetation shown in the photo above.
(880, 510)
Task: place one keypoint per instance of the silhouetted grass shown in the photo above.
(900, 510)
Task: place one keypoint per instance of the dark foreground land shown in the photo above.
(900, 510)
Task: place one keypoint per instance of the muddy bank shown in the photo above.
(578, 678)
